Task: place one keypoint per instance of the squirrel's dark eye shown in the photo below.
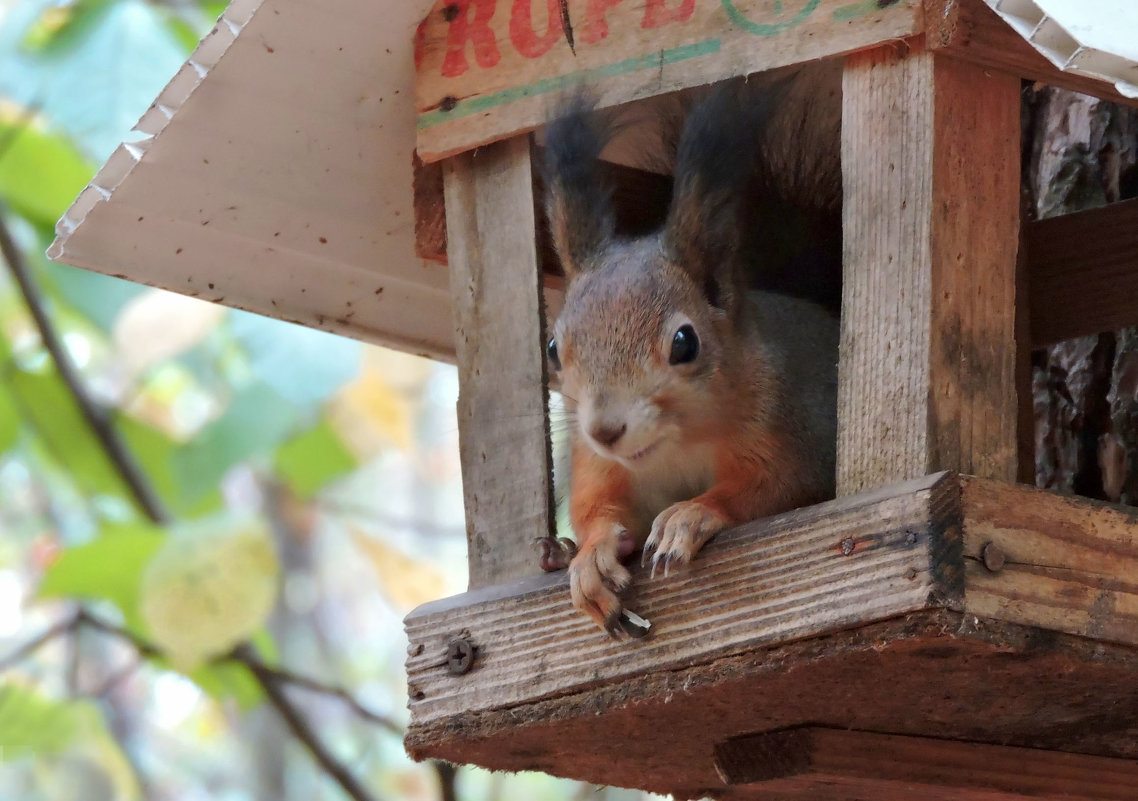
(685, 346)
(551, 349)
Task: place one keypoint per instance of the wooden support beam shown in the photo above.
(1084, 272)
(970, 30)
(502, 410)
(814, 762)
(930, 159)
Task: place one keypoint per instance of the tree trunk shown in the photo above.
(1081, 152)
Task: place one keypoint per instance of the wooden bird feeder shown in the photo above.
(937, 629)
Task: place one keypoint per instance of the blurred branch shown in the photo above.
(33, 645)
(271, 679)
(287, 677)
(94, 414)
(151, 505)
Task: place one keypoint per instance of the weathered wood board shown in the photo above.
(887, 767)
(930, 165)
(486, 69)
(889, 611)
(502, 421)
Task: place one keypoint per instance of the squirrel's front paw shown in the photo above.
(679, 532)
(596, 577)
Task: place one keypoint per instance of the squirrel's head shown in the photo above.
(647, 323)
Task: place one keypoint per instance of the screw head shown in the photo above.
(992, 557)
(460, 656)
(847, 546)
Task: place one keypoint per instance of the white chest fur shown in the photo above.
(676, 473)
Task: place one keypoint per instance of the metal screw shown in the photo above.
(992, 557)
(460, 656)
(448, 103)
(911, 538)
(847, 546)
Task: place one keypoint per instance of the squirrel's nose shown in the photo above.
(608, 435)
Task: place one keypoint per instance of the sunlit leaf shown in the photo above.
(61, 24)
(156, 325)
(40, 172)
(31, 723)
(109, 567)
(309, 461)
(211, 585)
(406, 582)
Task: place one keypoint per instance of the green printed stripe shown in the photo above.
(856, 10)
(560, 82)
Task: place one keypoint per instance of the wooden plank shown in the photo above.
(486, 69)
(1084, 272)
(930, 165)
(1062, 563)
(931, 674)
(969, 30)
(887, 767)
(502, 415)
(800, 574)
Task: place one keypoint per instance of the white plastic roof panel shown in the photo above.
(273, 174)
(1095, 38)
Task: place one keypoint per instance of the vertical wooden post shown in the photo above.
(503, 427)
(930, 162)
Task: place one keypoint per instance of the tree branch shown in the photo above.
(144, 494)
(95, 415)
(33, 645)
(299, 726)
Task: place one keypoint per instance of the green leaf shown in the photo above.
(302, 365)
(109, 567)
(256, 421)
(309, 461)
(33, 724)
(50, 408)
(156, 453)
(211, 585)
(9, 421)
(40, 172)
(229, 680)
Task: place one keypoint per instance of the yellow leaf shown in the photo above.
(405, 581)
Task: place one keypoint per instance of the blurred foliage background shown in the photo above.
(307, 491)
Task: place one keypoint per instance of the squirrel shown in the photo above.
(700, 403)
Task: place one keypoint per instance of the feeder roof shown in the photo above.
(273, 173)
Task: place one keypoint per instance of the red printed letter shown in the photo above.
(655, 14)
(522, 33)
(477, 31)
(595, 26)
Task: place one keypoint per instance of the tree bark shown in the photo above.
(1081, 152)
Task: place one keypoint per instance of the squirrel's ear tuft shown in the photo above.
(578, 203)
(715, 161)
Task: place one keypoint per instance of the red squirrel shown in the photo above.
(699, 404)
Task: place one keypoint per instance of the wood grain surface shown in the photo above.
(502, 422)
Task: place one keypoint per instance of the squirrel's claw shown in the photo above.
(679, 532)
(596, 578)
